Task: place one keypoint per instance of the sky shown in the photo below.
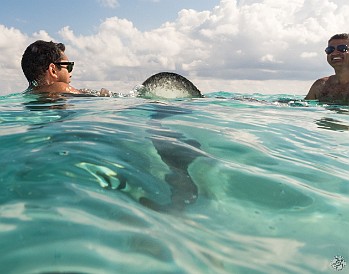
(243, 46)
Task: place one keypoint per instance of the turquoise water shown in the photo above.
(220, 184)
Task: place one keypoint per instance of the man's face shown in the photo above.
(338, 58)
(63, 74)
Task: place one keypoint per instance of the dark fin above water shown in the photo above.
(168, 85)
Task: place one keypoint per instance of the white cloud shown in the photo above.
(109, 3)
(12, 45)
(309, 54)
(269, 58)
(253, 41)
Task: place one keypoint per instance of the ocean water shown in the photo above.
(221, 184)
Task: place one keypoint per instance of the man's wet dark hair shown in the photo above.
(339, 36)
(37, 57)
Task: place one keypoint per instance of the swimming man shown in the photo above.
(334, 88)
(48, 69)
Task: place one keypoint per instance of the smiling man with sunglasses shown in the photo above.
(334, 88)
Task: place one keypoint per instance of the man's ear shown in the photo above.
(52, 71)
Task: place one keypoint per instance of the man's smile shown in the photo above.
(336, 59)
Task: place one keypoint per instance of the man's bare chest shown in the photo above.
(334, 92)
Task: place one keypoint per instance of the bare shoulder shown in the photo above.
(317, 88)
(63, 87)
(58, 87)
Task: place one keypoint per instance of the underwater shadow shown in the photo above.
(331, 124)
(177, 152)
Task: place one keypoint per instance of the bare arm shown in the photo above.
(102, 93)
(316, 89)
(66, 88)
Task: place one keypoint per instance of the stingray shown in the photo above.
(168, 85)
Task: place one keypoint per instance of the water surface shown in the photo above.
(221, 184)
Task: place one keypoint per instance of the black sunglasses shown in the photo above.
(341, 48)
(69, 65)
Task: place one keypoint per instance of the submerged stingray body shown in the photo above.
(168, 85)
